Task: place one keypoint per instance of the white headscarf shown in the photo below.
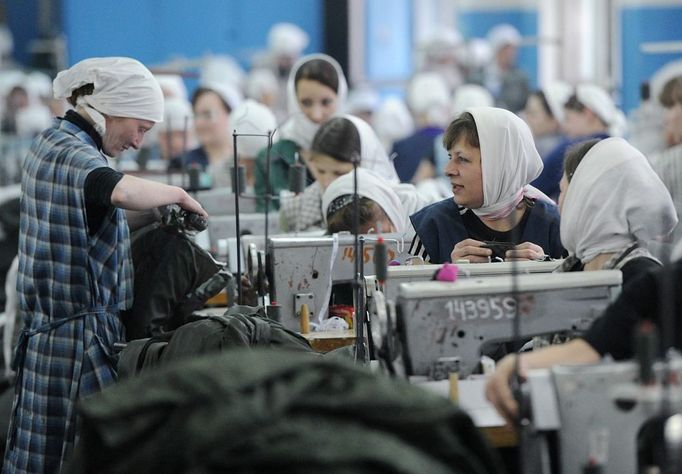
(557, 94)
(123, 87)
(178, 115)
(614, 199)
(287, 39)
(373, 156)
(252, 117)
(428, 94)
(172, 85)
(392, 121)
(225, 90)
(398, 201)
(470, 95)
(299, 128)
(502, 35)
(509, 161)
(598, 101)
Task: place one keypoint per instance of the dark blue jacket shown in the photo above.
(548, 181)
(193, 157)
(412, 150)
(440, 226)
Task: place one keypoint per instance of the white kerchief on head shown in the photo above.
(613, 200)
(178, 115)
(225, 90)
(428, 94)
(123, 87)
(252, 117)
(470, 95)
(392, 121)
(299, 128)
(397, 200)
(556, 95)
(373, 155)
(172, 85)
(598, 101)
(287, 38)
(509, 161)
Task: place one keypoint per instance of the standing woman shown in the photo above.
(75, 273)
(316, 90)
(212, 104)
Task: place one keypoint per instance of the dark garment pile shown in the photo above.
(264, 411)
(9, 241)
(240, 326)
(173, 278)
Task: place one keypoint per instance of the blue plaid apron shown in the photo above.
(71, 287)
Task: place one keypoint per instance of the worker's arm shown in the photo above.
(137, 194)
(498, 389)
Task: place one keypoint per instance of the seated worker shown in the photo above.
(544, 113)
(316, 91)
(492, 160)
(383, 207)
(667, 162)
(613, 333)
(176, 133)
(589, 113)
(603, 224)
(337, 143)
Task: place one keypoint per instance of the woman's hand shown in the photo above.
(471, 250)
(188, 203)
(498, 390)
(525, 251)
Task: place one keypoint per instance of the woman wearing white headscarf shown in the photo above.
(544, 114)
(316, 90)
(387, 203)
(336, 145)
(493, 159)
(212, 104)
(588, 113)
(605, 224)
(252, 118)
(75, 273)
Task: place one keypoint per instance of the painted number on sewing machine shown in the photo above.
(368, 254)
(468, 309)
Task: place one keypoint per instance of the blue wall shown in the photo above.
(181, 27)
(476, 24)
(388, 42)
(641, 25)
(22, 20)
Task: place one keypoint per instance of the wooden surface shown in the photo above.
(501, 436)
(218, 300)
(330, 340)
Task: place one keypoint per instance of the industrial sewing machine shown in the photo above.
(411, 273)
(599, 412)
(304, 270)
(441, 323)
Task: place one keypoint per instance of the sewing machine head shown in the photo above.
(304, 269)
(437, 320)
(601, 410)
(412, 273)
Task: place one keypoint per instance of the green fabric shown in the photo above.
(240, 326)
(255, 411)
(282, 156)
